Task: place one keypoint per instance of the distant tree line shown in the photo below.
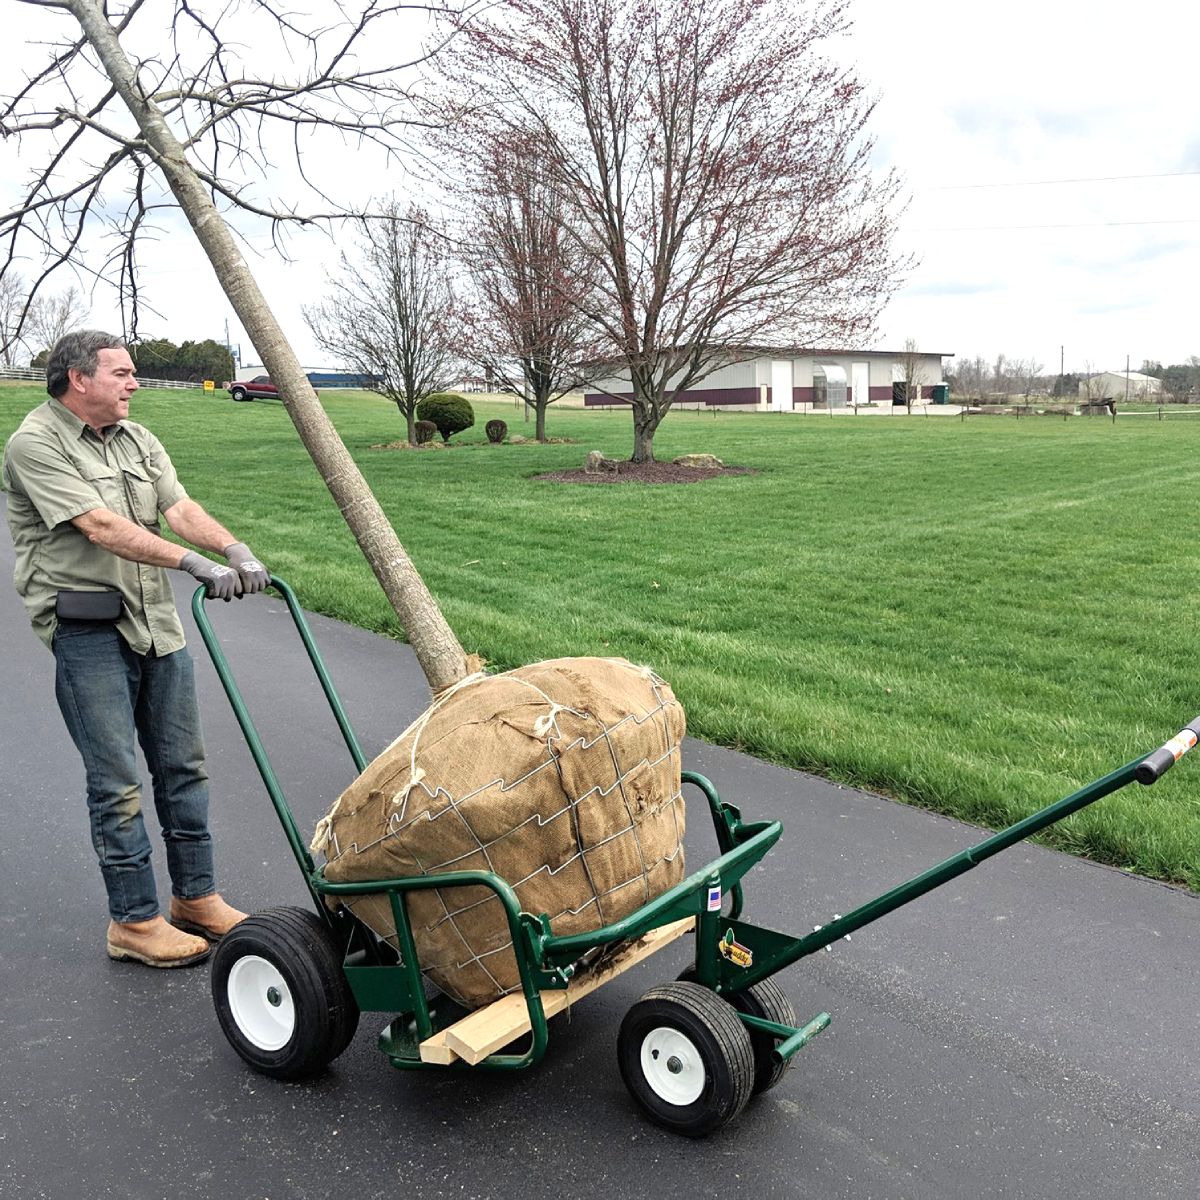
(159, 358)
(191, 362)
(1181, 381)
(1000, 378)
(978, 378)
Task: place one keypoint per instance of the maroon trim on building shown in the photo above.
(881, 393)
(744, 395)
(802, 395)
(604, 399)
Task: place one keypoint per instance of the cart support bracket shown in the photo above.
(790, 1039)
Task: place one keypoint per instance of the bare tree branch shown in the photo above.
(392, 316)
(191, 147)
(715, 164)
(530, 278)
(347, 86)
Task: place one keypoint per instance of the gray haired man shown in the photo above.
(86, 487)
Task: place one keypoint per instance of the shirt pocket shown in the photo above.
(108, 484)
(140, 481)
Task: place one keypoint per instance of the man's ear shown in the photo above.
(75, 380)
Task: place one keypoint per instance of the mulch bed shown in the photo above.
(651, 472)
(438, 444)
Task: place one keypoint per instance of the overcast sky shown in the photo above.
(1051, 150)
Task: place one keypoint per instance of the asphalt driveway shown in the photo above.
(1030, 1030)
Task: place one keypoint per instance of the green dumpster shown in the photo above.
(941, 393)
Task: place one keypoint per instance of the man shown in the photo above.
(85, 490)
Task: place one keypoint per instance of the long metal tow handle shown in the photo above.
(1155, 766)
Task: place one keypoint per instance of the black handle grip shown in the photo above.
(1154, 766)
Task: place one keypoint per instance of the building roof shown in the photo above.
(831, 352)
(1132, 376)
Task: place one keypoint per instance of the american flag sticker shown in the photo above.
(714, 899)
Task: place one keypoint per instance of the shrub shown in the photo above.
(424, 431)
(450, 413)
(496, 431)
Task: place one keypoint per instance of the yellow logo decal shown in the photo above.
(735, 952)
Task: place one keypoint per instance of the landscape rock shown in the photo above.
(597, 464)
(704, 462)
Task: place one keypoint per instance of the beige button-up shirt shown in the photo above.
(55, 468)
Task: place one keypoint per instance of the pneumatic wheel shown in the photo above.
(686, 1058)
(238, 393)
(766, 999)
(280, 993)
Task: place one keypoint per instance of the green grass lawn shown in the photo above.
(975, 616)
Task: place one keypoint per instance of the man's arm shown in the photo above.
(186, 518)
(194, 525)
(126, 540)
(190, 521)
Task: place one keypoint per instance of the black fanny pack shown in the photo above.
(88, 606)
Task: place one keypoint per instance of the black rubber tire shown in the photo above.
(768, 1000)
(718, 1058)
(238, 393)
(315, 1015)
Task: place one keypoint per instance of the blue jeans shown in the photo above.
(108, 694)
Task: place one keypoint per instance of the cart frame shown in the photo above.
(734, 959)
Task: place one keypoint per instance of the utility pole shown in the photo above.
(1127, 379)
(234, 354)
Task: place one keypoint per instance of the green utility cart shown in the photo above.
(289, 983)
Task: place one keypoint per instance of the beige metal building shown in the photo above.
(799, 380)
(1119, 385)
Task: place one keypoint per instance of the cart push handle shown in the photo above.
(1154, 766)
(254, 742)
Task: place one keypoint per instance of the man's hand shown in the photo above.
(223, 583)
(253, 574)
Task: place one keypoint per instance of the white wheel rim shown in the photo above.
(261, 1003)
(672, 1066)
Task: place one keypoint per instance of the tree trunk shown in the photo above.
(437, 649)
(645, 423)
(411, 422)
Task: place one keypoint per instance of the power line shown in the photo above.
(963, 187)
(1067, 225)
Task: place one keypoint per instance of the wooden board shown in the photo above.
(489, 1029)
(435, 1050)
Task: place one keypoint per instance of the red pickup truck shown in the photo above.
(247, 389)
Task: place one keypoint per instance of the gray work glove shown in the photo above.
(254, 575)
(223, 583)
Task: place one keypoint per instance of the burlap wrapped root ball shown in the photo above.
(562, 777)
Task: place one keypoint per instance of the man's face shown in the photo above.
(102, 399)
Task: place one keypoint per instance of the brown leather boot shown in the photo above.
(154, 943)
(208, 916)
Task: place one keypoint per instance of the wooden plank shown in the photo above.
(435, 1050)
(471, 1037)
(489, 1029)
